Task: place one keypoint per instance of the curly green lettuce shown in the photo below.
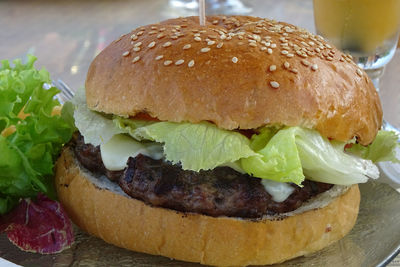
(32, 136)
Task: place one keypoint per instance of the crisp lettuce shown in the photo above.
(95, 127)
(293, 153)
(27, 153)
(382, 149)
(196, 147)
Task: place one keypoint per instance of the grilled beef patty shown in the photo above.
(218, 192)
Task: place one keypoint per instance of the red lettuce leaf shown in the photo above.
(40, 226)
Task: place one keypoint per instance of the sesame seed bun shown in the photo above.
(102, 209)
(238, 72)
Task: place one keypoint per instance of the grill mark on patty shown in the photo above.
(218, 192)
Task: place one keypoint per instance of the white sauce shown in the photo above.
(116, 152)
(279, 191)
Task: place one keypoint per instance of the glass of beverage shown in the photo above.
(367, 29)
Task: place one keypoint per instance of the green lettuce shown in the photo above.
(382, 149)
(95, 127)
(196, 147)
(293, 153)
(28, 154)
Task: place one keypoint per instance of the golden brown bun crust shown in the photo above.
(335, 97)
(222, 241)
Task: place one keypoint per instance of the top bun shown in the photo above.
(237, 72)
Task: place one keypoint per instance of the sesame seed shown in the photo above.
(263, 48)
(359, 72)
(198, 39)
(252, 41)
(205, 49)
(341, 59)
(240, 37)
(220, 45)
(329, 58)
(160, 35)
(317, 50)
(210, 42)
(223, 37)
(139, 33)
(272, 68)
(159, 57)
(304, 43)
(197, 34)
(328, 46)
(152, 32)
(126, 53)
(151, 45)
(167, 62)
(162, 29)
(138, 44)
(212, 37)
(136, 49)
(273, 45)
(286, 64)
(269, 51)
(314, 67)
(136, 59)
(134, 38)
(191, 63)
(179, 62)
(290, 55)
(234, 59)
(153, 27)
(305, 62)
(167, 44)
(215, 22)
(295, 71)
(274, 84)
(186, 46)
(284, 52)
(253, 44)
(174, 37)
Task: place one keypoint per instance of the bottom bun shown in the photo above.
(223, 241)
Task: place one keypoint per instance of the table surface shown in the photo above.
(67, 35)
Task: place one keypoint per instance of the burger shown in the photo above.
(240, 142)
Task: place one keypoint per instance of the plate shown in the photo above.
(374, 241)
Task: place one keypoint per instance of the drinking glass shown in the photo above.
(367, 29)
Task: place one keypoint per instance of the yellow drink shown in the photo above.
(359, 26)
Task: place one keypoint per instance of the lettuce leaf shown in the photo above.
(294, 152)
(382, 149)
(196, 147)
(28, 154)
(96, 128)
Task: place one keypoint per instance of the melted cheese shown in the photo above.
(116, 152)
